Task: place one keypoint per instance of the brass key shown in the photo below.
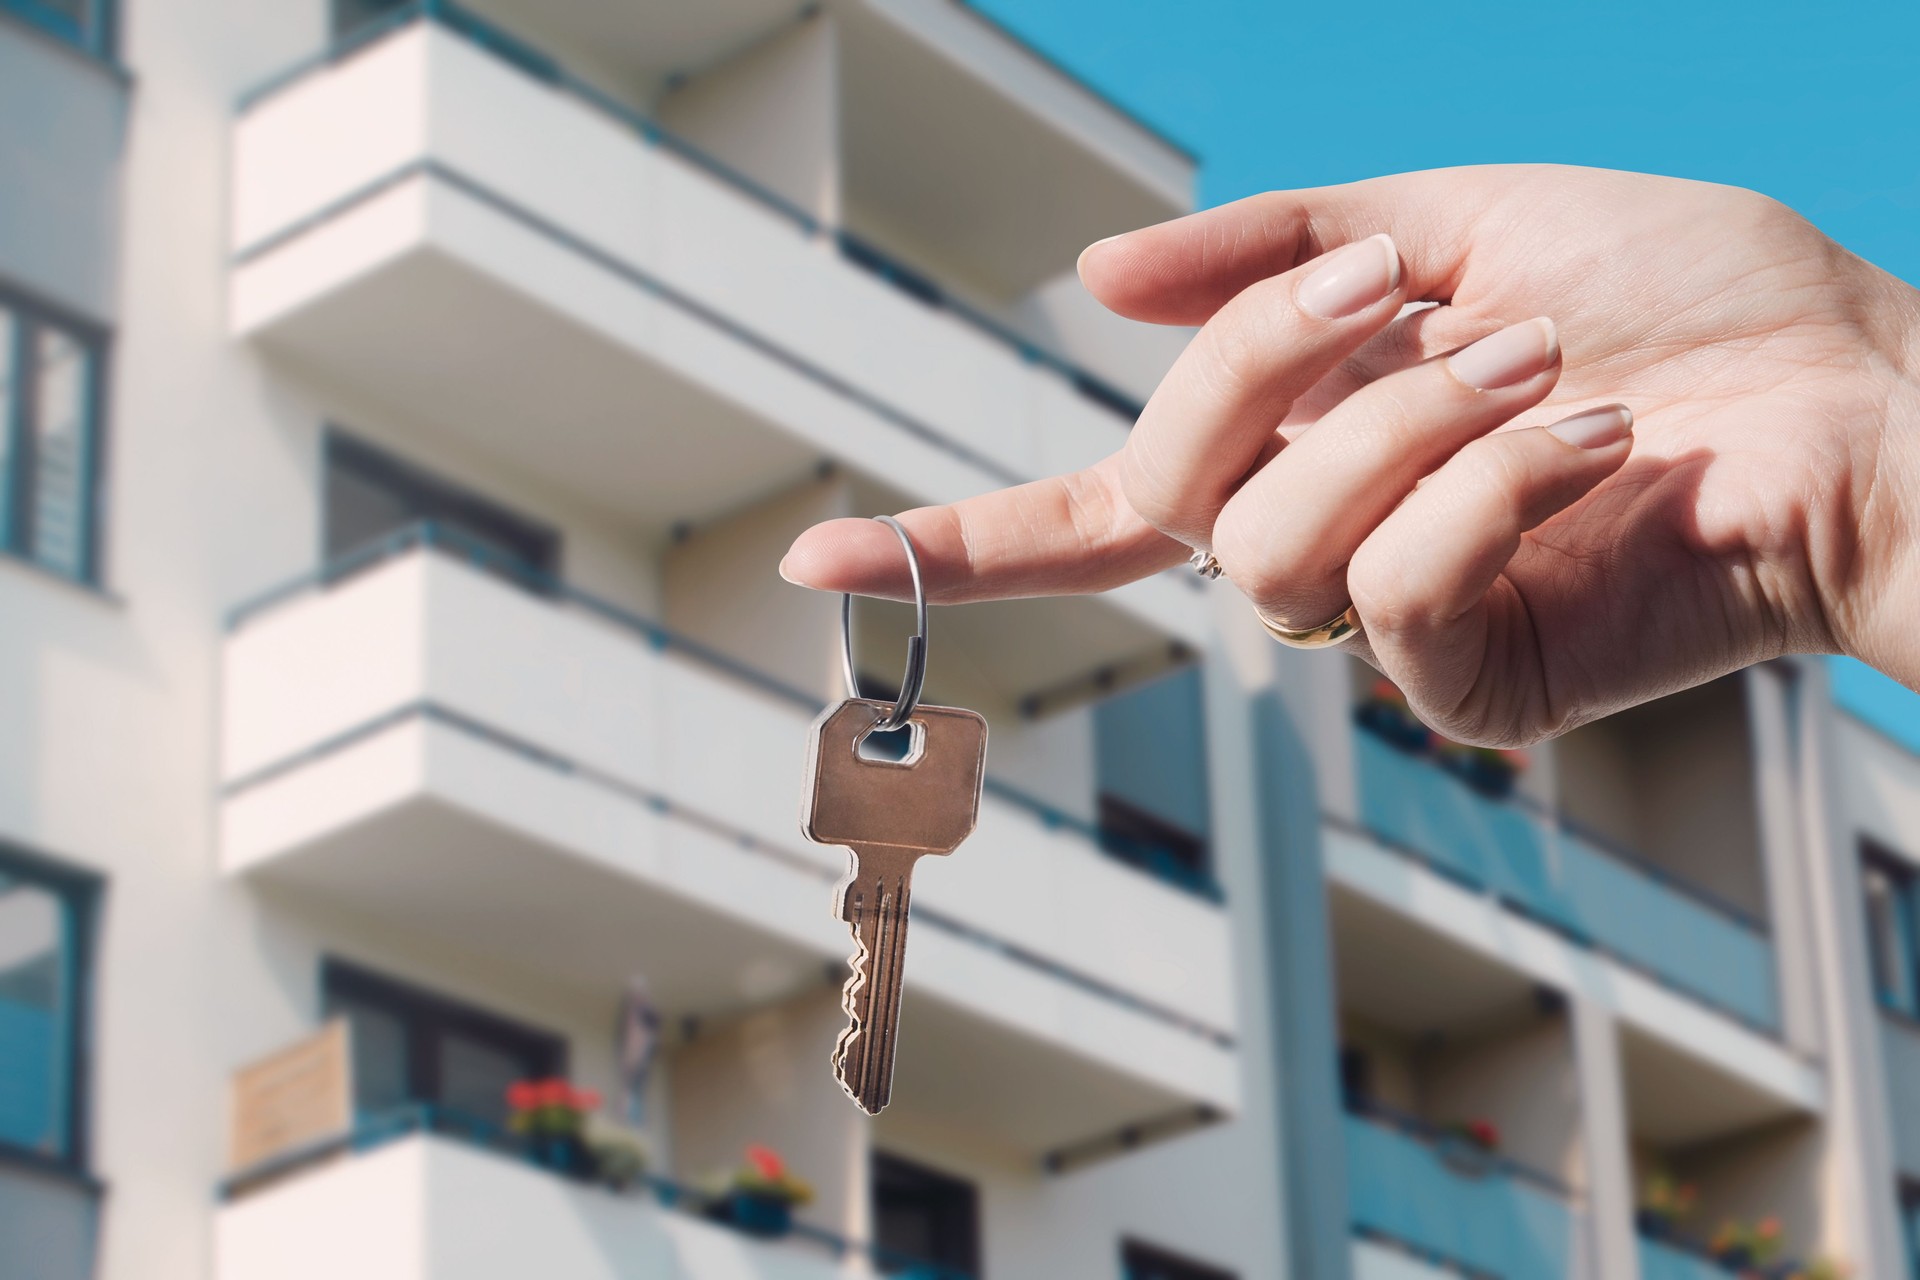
(887, 814)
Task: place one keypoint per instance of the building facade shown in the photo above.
(403, 409)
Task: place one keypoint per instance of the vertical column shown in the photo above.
(1613, 1252)
(1860, 1176)
(1303, 750)
(1783, 861)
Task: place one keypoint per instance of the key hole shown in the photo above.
(901, 746)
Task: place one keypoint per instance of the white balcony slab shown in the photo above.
(428, 744)
(1773, 1074)
(430, 225)
(430, 1209)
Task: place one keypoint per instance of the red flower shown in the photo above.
(553, 1093)
(766, 1162)
(523, 1095)
(586, 1100)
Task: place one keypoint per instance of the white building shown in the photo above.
(402, 412)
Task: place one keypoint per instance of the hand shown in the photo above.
(1762, 498)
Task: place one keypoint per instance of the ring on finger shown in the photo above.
(1324, 636)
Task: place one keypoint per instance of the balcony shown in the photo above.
(1565, 880)
(1476, 1213)
(421, 1196)
(452, 226)
(435, 748)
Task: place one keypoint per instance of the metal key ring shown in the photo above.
(916, 674)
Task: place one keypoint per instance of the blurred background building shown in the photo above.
(403, 409)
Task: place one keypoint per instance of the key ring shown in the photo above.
(916, 674)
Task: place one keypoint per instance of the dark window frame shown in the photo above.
(96, 35)
(1142, 1261)
(1905, 879)
(523, 547)
(17, 410)
(82, 893)
(889, 1170)
(427, 1015)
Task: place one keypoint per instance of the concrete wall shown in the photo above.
(773, 112)
(1773, 1171)
(62, 127)
(1524, 1080)
(763, 1079)
(1673, 783)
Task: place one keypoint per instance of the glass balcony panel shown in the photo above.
(1664, 1262)
(1566, 881)
(1402, 1189)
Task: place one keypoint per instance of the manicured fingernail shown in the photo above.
(1095, 245)
(1514, 354)
(1351, 279)
(1595, 428)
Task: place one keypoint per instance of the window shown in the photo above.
(45, 939)
(926, 1223)
(371, 494)
(1144, 1262)
(411, 1046)
(1910, 1226)
(49, 397)
(1888, 885)
(351, 15)
(1150, 749)
(85, 23)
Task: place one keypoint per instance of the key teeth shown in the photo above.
(869, 1086)
(852, 1034)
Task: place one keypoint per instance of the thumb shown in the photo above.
(1181, 272)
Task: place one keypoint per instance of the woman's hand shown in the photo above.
(1515, 578)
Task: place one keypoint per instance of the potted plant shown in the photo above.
(1491, 771)
(760, 1196)
(1469, 1146)
(1664, 1205)
(552, 1115)
(1385, 712)
(1736, 1244)
(619, 1158)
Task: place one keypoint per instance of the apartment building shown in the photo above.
(405, 406)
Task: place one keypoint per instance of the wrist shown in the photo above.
(1884, 587)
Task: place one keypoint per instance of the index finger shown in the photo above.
(1060, 536)
(1181, 272)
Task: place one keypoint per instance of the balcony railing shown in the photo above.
(1481, 1214)
(427, 534)
(541, 66)
(1562, 878)
(374, 1131)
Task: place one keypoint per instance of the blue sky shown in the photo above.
(1817, 104)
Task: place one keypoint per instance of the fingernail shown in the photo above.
(1595, 428)
(1090, 248)
(1514, 354)
(789, 577)
(1351, 279)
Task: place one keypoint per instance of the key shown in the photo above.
(888, 815)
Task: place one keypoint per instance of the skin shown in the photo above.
(1767, 501)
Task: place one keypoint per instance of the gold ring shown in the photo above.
(1324, 636)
